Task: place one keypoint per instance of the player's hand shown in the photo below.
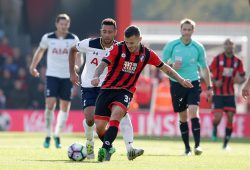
(186, 83)
(95, 81)
(34, 72)
(74, 78)
(218, 83)
(210, 94)
(245, 92)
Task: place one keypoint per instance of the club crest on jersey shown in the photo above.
(142, 58)
(123, 55)
(129, 67)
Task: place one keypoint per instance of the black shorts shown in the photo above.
(108, 97)
(182, 97)
(89, 96)
(224, 103)
(59, 87)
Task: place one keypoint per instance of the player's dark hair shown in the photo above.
(62, 16)
(187, 21)
(109, 21)
(132, 31)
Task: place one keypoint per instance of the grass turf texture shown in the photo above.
(25, 151)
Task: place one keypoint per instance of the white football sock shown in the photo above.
(126, 129)
(48, 118)
(61, 120)
(89, 130)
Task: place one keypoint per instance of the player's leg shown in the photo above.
(126, 129)
(179, 101)
(217, 112)
(184, 131)
(193, 101)
(230, 109)
(65, 94)
(48, 118)
(110, 135)
(89, 96)
(50, 104)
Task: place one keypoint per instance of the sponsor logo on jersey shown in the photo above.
(129, 67)
(59, 51)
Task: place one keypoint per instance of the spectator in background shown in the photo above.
(5, 49)
(6, 83)
(227, 69)
(37, 96)
(2, 100)
(18, 97)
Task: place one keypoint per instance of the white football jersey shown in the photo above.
(94, 53)
(58, 53)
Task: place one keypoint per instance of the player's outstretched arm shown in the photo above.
(99, 70)
(35, 60)
(173, 74)
(246, 89)
(74, 78)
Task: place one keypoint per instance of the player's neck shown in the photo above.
(105, 45)
(229, 54)
(186, 41)
(61, 34)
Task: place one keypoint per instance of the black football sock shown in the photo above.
(196, 131)
(110, 134)
(185, 134)
(228, 133)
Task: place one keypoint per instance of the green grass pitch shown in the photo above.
(25, 151)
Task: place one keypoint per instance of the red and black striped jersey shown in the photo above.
(225, 68)
(124, 68)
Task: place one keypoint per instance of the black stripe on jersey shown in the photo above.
(223, 77)
(119, 77)
(147, 55)
(117, 59)
(218, 66)
(230, 78)
(52, 35)
(106, 61)
(95, 43)
(68, 36)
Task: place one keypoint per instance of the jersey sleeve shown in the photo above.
(154, 59)
(202, 57)
(44, 42)
(83, 46)
(166, 54)
(111, 55)
(240, 69)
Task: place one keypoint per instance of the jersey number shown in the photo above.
(94, 61)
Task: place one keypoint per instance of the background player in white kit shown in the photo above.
(95, 50)
(58, 82)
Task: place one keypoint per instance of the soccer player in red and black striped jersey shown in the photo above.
(227, 69)
(125, 63)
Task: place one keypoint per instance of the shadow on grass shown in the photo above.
(65, 161)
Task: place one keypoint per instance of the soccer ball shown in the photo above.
(77, 152)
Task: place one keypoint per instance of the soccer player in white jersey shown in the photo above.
(95, 49)
(58, 84)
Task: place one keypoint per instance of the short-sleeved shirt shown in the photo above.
(94, 51)
(58, 53)
(124, 68)
(225, 69)
(192, 56)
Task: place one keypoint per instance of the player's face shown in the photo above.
(62, 26)
(108, 33)
(229, 47)
(133, 43)
(187, 31)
